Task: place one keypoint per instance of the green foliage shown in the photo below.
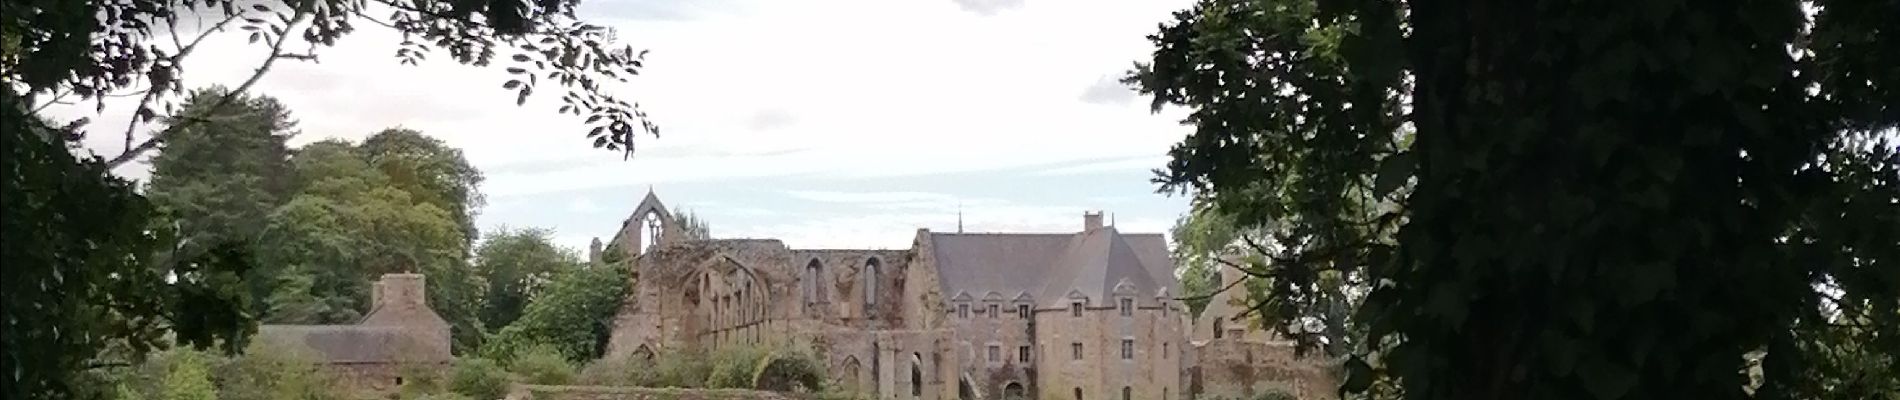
(790, 370)
(87, 260)
(1275, 394)
(276, 372)
(430, 170)
(1201, 239)
(542, 365)
(575, 315)
(623, 370)
(733, 367)
(419, 380)
(1574, 202)
(518, 265)
(94, 50)
(682, 368)
(479, 379)
(86, 266)
(188, 378)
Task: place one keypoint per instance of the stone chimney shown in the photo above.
(1091, 221)
(399, 290)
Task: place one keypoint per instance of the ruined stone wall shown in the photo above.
(860, 308)
(540, 392)
(1240, 369)
(1152, 373)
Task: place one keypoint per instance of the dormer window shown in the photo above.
(1075, 309)
(994, 310)
(1022, 311)
(1128, 307)
(963, 311)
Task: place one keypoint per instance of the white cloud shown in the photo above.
(842, 89)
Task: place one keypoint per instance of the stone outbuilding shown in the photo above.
(399, 332)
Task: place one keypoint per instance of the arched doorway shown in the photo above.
(916, 376)
(1014, 391)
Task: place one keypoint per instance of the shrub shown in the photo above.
(479, 379)
(681, 368)
(542, 365)
(1275, 394)
(624, 370)
(268, 372)
(422, 381)
(188, 378)
(439, 396)
(734, 367)
(790, 371)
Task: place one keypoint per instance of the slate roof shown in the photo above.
(1009, 264)
(1050, 267)
(348, 344)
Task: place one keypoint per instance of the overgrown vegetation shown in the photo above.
(542, 365)
(479, 379)
(88, 256)
(1543, 200)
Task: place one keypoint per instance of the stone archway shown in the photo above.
(1014, 391)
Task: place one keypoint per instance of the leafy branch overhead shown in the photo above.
(141, 47)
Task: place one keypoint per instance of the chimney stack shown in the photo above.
(1091, 220)
(593, 251)
(399, 290)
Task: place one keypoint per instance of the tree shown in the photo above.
(93, 276)
(219, 180)
(1201, 240)
(432, 171)
(1573, 189)
(575, 316)
(352, 220)
(221, 177)
(86, 269)
(70, 53)
(517, 265)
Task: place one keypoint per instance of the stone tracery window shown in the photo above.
(650, 237)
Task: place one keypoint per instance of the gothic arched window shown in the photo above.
(812, 286)
(651, 233)
(871, 280)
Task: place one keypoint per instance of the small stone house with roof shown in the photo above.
(1084, 315)
(399, 331)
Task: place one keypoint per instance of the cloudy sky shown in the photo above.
(825, 123)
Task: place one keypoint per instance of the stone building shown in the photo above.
(1233, 358)
(400, 331)
(1085, 315)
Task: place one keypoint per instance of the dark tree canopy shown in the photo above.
(1609, 200)
(88, 258)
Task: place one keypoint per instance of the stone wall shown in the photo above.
(868, 311)
(538, 392)
(1240, 369)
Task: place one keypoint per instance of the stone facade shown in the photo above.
(400, 333)
(1234, 359)
(1086, 315)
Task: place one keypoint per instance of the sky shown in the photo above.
(822, 123)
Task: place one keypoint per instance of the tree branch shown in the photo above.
(276, 51)
(145, 102)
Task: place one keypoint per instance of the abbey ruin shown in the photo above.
(1091, 314)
